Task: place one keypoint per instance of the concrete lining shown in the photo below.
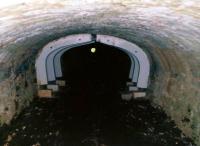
(48, 65)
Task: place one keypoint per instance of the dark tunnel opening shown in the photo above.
(95, 75)
(106, 66)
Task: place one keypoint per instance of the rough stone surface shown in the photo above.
(169, 31)
(45, 93)
(139, 94)
(53, 87)
(61, 83)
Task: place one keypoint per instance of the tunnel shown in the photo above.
(92, 77)
(100, 72)
(105, 66)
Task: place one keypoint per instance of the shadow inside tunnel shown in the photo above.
(89, 110)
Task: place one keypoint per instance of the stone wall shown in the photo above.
(17, 91)
(168, 31)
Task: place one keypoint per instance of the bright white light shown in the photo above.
(93, 50)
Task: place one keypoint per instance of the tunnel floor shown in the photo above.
(65, 121)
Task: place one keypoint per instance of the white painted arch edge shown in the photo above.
(56, 63)
(135, 65)
(81, 38)
(53, 68)
(142, 57)
(40, 65)
(53, 65)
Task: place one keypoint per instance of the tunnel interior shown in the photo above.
(94, 77)
(89, 109)
(162, 35)
(106, 68)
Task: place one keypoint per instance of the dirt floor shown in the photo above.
(92, 119)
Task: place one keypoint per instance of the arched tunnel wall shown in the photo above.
(168, 31)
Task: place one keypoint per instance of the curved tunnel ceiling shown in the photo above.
(168, 31)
